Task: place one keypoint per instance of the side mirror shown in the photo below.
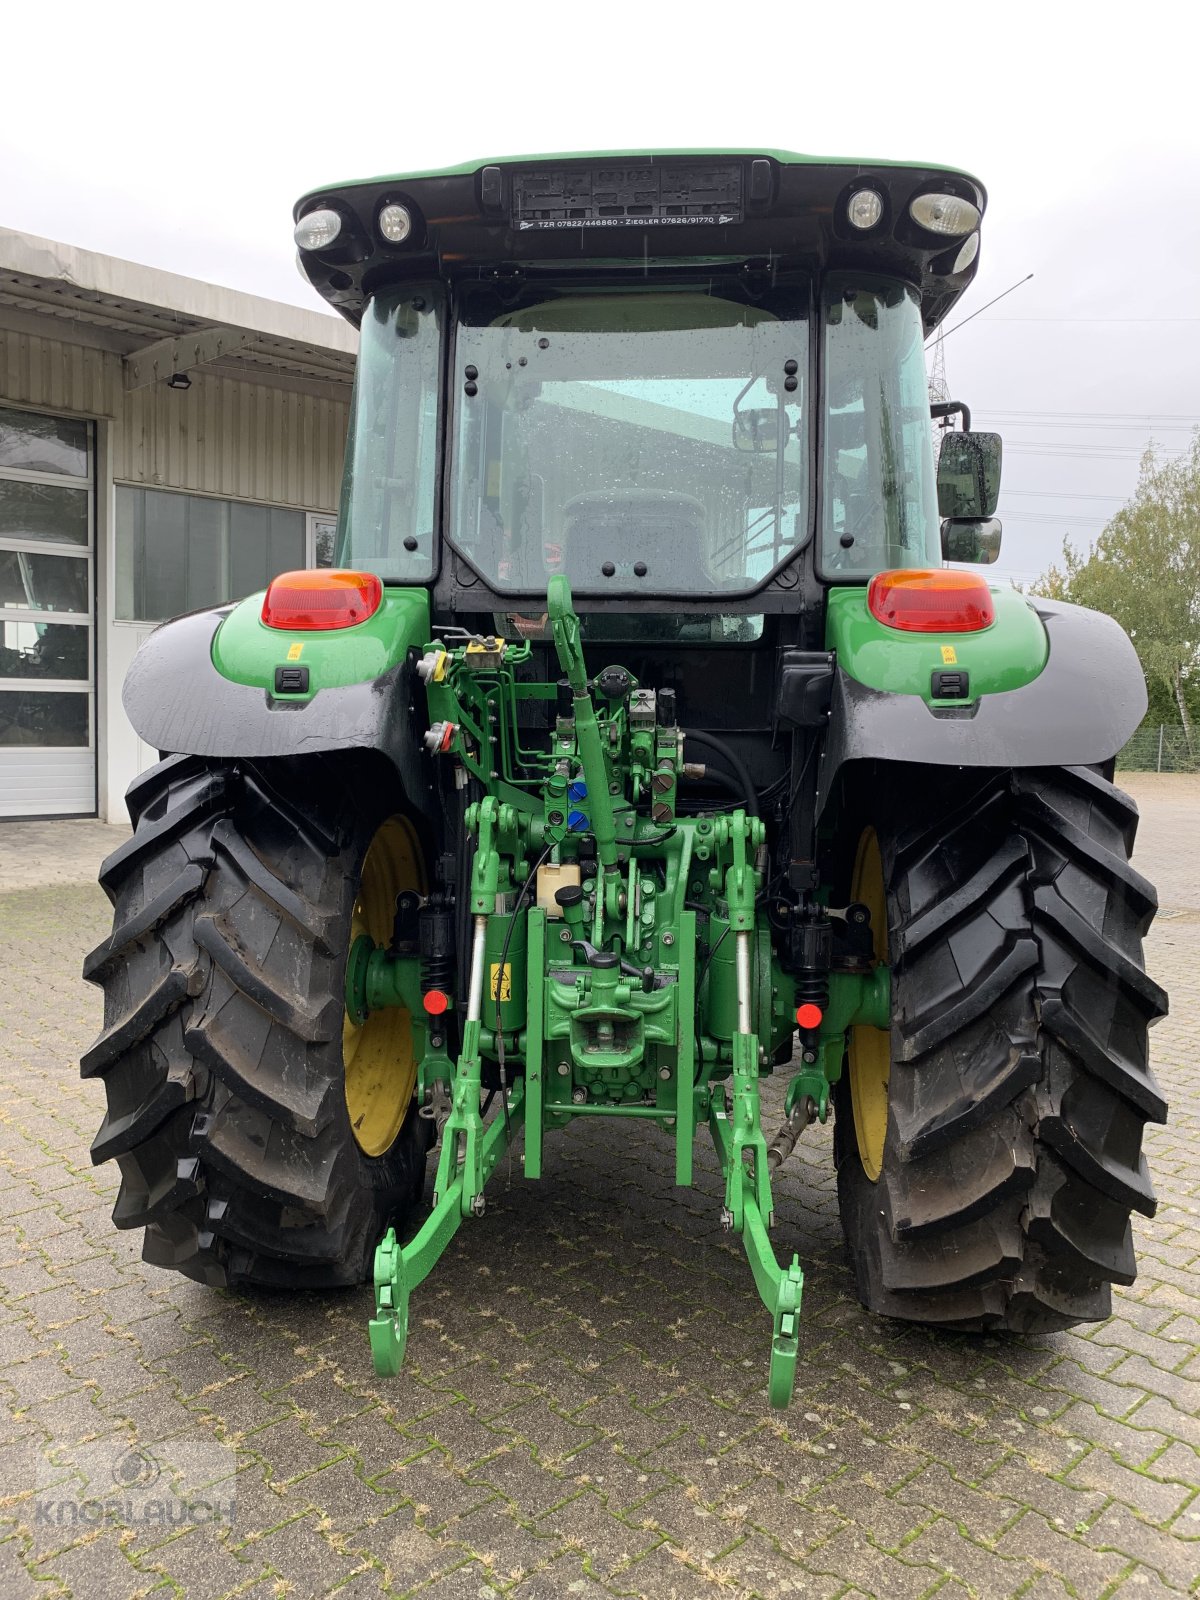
(975, 540)
(757, 429)
(968, 475)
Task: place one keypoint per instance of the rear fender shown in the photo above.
(1078, 709)
(205, 685)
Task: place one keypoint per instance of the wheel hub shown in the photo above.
(869, 1051)
(377, 1046)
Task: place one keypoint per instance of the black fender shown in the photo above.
(178, 702)
(1079, 711)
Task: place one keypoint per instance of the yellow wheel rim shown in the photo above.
(380, 1066)
(870, 1049)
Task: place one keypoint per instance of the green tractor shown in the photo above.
(642, 744)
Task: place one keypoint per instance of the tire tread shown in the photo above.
(1017, 1103)
(221, 1046)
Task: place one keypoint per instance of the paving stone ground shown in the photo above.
(583, 1409)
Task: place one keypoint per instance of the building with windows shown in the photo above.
(165, 444)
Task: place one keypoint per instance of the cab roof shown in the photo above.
(611, 211)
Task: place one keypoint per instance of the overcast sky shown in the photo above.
(181, 136)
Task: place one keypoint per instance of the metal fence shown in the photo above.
(1160, 749)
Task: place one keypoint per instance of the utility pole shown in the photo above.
(939, 388)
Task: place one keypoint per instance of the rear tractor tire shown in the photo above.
(262, 1138)
(989, 1148)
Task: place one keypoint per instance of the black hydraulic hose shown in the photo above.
(723, 780)
(732, 760)
(655, 838)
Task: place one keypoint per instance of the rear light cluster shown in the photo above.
(305, 601)
(942, 601)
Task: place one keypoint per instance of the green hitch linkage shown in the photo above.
(399, 1271)
(470, 1148)
(779, 1288)
(748, 1204)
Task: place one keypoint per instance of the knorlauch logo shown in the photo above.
(175, 1483)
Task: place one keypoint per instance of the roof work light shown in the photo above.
(864, 208)
(316, 230)
(395, 223)
(944, 213)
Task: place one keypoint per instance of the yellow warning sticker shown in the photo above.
(295, 649)
(949, 656)
(501, 985)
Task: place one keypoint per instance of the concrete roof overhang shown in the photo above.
(161, 324)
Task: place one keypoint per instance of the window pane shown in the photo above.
(619, 627)
(249, 528)
(206, 524)
(390, 483)
(263, 542)
(163, 556)
(324, 542)
(43, 583)
(130, 554)
(880, 498)
(657, 435)
(180, 552)
(34, 443)
(28, 718)
(43, 512)
(285, 544)
(44, 649)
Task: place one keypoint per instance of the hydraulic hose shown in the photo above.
(732, 760)
(721, 779)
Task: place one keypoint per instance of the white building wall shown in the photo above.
(223, 436)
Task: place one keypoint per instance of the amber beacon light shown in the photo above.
(921, 601)
(318, 600)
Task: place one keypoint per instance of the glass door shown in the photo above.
(47, 609)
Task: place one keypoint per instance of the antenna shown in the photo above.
(983, 308)
(939, 388)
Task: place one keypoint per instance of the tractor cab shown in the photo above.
(693, 384)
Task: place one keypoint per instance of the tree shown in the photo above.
(1145, 572)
